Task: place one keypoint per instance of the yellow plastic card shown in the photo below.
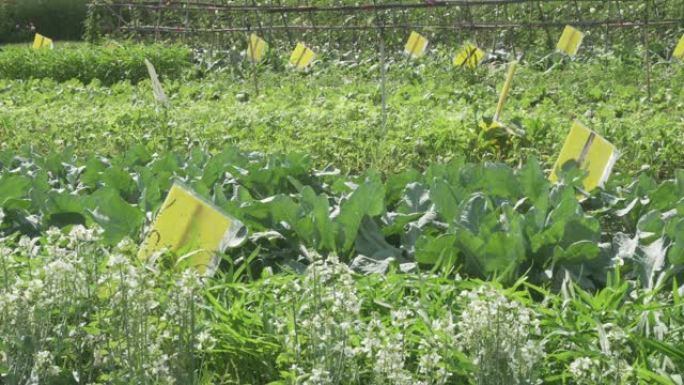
(40, 41)
(416, 45)
(505, 90)
(191, 227)
(679, 50)
(592, 152)
(256, 48)
(469, 56)
(156, 85)
(302, 56)
(570, 41)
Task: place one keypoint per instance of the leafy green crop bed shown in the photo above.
(483, 220)
(423, 252)
(334, 114)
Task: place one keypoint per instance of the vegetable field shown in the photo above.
(388, 225)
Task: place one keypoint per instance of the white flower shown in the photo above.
(497, 332)
(581, 368)
(116, 260)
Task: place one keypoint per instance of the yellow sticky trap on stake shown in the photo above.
(302, 56)
(416, 45)
(469, 56)
(505, 90)
(159, 94)
(570, 41)
(679, 50)
(592, 153)
(256, 48)
(191, 227)
(40, 41)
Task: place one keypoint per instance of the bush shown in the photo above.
(109, 64)
(57, 19)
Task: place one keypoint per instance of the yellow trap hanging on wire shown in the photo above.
(191, 227)
(416, 45)
(469, 56)
(679, 50)
(256, 48)
(302, 56)
(570, 41)
(40, 41)
(592, 153)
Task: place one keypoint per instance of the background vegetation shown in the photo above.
(58, 19)
(107, 64)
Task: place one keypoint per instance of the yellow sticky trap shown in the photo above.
(40, 41)
(505, 90)
(469, 56)
(570, 41)
(592, 152)
(416, 45)
(256, 48)
(679, 50)
(192, 228)
(301, 56)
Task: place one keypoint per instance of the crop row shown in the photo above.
(334, 114)
(482, 220)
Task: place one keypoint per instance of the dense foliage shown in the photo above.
(334, 113)
(539, 23)
(422, 251)
(76, 312)
(109, 64)
(59, 19)
(483, 220)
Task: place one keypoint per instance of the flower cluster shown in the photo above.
(73, 309)
(327, 338)
(501, 336)
(324, 318)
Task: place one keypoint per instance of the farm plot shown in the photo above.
(334, 114)
(426, 250)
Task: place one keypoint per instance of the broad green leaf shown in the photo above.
(118, 218)
(445, 200)
(317, 208)
(13, 187)
(64, 209)
(675, 253)
(533, 182)
(430, 250)
(473, 211)
(577, 253)
(500, 181)
(371, 243)
(367, 199)
(650, 226)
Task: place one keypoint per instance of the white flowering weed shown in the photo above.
(73, 311)
(322, 320)
(501, 336)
